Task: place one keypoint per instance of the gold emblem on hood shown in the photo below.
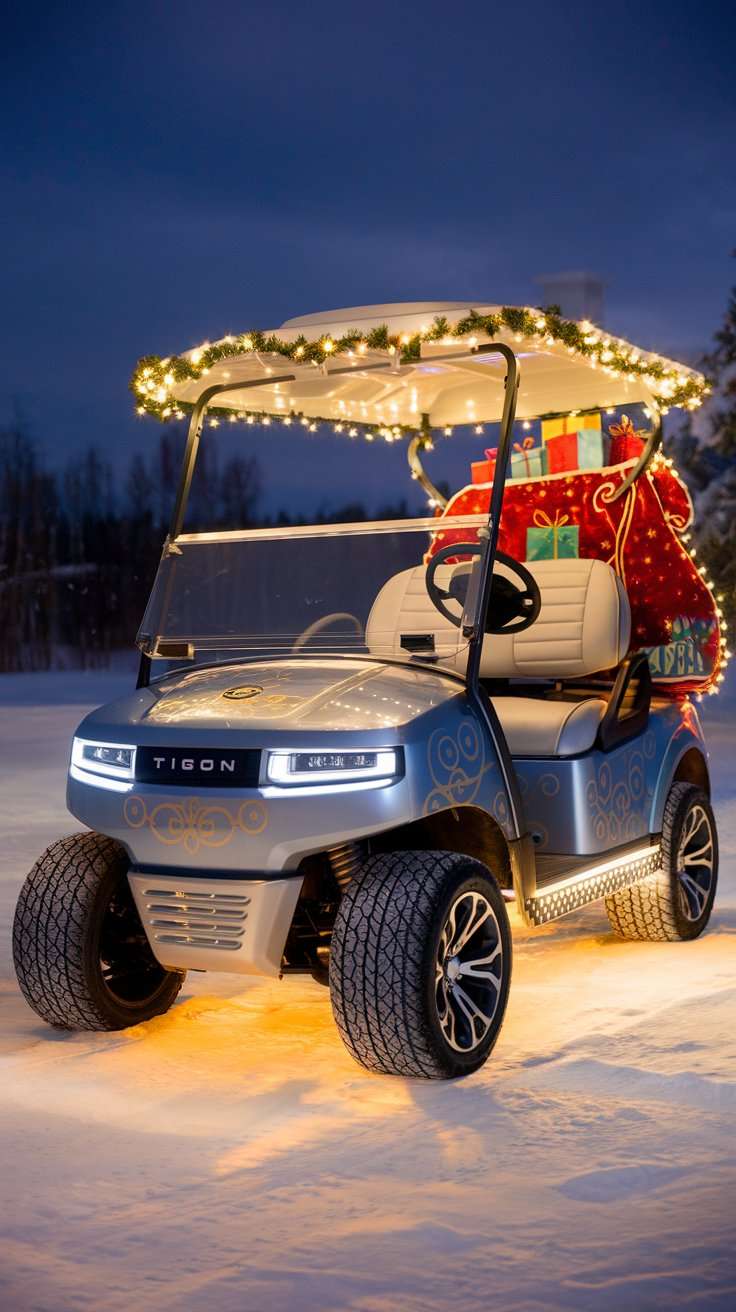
(242, 692)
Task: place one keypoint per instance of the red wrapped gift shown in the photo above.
(627, 442)
(562, 452)
(482, 470)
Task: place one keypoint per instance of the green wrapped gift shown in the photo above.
(552, 539)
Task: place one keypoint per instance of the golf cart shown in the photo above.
(351, 745)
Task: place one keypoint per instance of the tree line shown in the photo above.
(78, 555)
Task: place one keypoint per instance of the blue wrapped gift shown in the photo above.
(527, 460)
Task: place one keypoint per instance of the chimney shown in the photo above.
(579, 295)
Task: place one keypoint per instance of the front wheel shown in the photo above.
(420, 964)
(81, 955)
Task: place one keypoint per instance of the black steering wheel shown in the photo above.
(511, 609)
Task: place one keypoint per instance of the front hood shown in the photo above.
(302, 695)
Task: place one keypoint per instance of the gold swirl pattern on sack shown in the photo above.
(456, 765)
(193, 823)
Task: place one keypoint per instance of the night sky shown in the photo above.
(174, 172)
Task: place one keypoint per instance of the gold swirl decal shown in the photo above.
(456, 765)
(617, 802)
(193, 823)
(550, 784)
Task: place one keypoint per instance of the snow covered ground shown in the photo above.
(231, 1157)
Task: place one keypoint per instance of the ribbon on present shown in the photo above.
(627, 442)
(687, 629)
(626, 430)
(542, 520)
(482, 471)
(524, 448)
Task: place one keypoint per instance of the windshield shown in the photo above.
(357, 589)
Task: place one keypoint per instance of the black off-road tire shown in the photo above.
(655, 908)
(385, 943)
(74, 906)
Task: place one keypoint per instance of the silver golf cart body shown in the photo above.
(218, 864)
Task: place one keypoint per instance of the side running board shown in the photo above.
(559, 896)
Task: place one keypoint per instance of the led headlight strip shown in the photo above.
(317, 767)
(104, 765)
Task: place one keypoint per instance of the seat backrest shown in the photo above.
(584, 624)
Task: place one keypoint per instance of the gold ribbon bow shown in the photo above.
(542, 520)
(626, 429)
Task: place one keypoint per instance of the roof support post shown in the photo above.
(196, 423)
(476, 630)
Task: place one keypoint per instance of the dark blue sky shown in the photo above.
(178, 171)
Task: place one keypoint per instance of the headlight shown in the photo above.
(331, 767)
(112, 763)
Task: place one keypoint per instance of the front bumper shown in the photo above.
(235, 925)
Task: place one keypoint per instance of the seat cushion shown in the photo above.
(583, 625)
(534, 726)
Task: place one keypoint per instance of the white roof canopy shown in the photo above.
(369, 386)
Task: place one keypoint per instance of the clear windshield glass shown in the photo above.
(359, 589)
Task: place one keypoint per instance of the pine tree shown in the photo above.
(707, 461)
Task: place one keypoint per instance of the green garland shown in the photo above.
(154, 376)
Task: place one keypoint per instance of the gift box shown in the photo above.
(627, 443)
(676, 660)
(685, 655)
(569, 424)
(552, 539)
(586, 448)
(527, 460)
(482, 471)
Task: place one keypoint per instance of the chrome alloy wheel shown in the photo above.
(468, 971)
(695, 862)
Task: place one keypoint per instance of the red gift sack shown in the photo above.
(638, 535)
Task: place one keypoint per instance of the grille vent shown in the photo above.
(206, 920)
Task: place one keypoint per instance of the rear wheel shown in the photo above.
(420, 964)
(676, 902)
(81, 954)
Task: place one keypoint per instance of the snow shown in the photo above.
(230, 1156)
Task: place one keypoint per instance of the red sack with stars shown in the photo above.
(639, 535)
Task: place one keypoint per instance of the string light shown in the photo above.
(155, 379)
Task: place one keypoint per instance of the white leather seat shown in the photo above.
(536, 726)
(583, 627)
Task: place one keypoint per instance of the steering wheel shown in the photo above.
(511, 609)
(341, 616)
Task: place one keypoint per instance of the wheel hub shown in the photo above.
(695, 863)
(469, 971)
(452, 969)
